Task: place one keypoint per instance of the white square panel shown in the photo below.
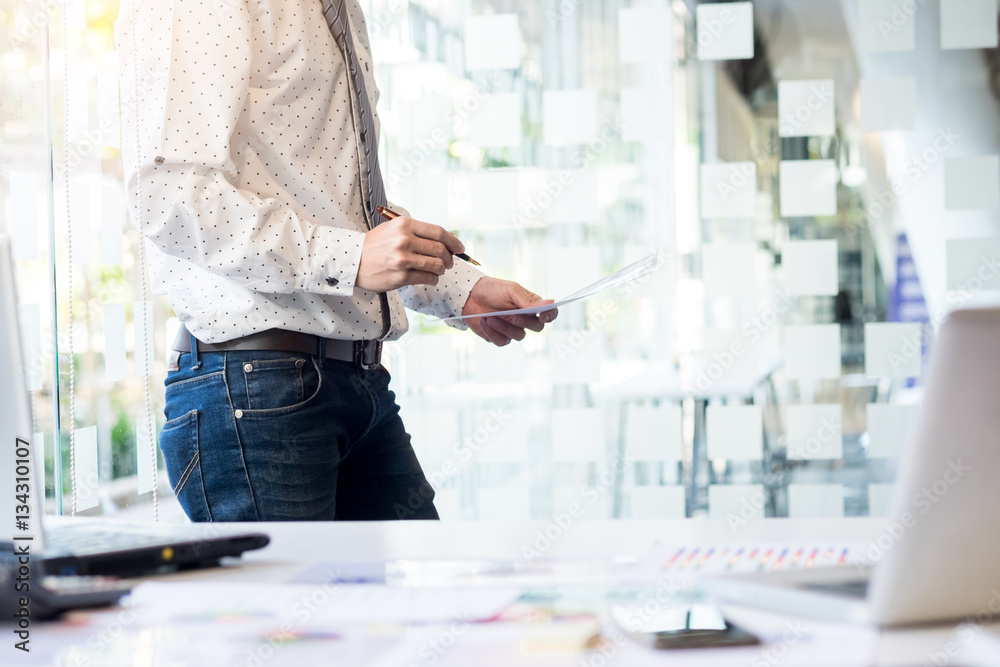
(496, 122)
(492, 42)
(973, 264)
(568, 196)
(728, 190)
(29, 317)
(582, 503)
(814, 432)
(730, 356)
(658, 502)
(22, 214)
(806, 108)
(734, 432)
(968, 24)
(725, 31)
(569, 117)
(576, 356)
(494, 364)
(653, 433)
(740, 502)
(880, 499)
(889, 428)
(646, 114)
(972, 182)
(145, 454)
(570, 269)
(812, 351)
(644, 34)
(811, 268)
(808, 188)
(509, 504)
(815, 501)
(893, 349)
(499, 435)
(494, 197)
(87, 476)
(729, 269)
(886, 25)
(888, 103)
(577, 435)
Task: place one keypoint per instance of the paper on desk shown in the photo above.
(317, 605)
(634, 271)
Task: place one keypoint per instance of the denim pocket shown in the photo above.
(278, 386)
(182, 454)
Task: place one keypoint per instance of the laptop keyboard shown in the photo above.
(851, 589)
(84, 540)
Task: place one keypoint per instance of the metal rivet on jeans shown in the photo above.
(247, 367)
(238, 414)
(299, 363)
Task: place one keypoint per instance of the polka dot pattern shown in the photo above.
(245, 181)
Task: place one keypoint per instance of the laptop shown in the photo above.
(937, 557)
(78, 546)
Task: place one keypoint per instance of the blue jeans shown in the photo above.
(282, 436)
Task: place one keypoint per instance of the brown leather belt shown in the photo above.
(364, 354)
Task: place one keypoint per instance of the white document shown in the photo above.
(634, 271)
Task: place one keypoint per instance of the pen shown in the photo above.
(389, 214)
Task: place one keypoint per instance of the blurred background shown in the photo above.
(819, 178)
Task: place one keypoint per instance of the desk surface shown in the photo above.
(295, 546)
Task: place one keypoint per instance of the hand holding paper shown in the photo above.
(491, 295)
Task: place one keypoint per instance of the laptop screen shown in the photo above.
(21, 498)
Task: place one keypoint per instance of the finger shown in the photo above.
(526, 322)
(417, 278)
(506, 328)
(548, 316)
(431, 249)
(426, 230)
(422, 263)
(495, 336)
(477, 327)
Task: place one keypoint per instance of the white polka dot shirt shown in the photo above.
(246, 183)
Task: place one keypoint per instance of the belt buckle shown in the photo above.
(368, 354)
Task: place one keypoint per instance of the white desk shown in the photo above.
(295, 546)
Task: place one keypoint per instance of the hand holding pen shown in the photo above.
(389, 214)
(403, 251)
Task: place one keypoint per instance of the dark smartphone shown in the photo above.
(694, 626)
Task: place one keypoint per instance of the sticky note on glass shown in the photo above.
(810, 268)
(972, 182)
(969, 24)
(729, 269)
(728, 190)
(893, 349)
(653, 433)
(815, 501)
(806, 108)
(730, 356)
(880, 499)
(496, 123)
(808, 188)
(725, 31)
(577, 435)
(814, 432)
(569, 117)
(644, 34)
(494, 197)
(734, 432)
(736, 501)
(23, 212)
(29, 317)
(567, 196)
(889, 428)
(492, 42)
(973, 265)
(658, 502)
(812, 351)
(887, 25)
(646, 114)
(87, 479)
(888, 103)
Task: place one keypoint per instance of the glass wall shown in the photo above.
(819, 179)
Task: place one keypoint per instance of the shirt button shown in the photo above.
(332, 282)
(158, 159)
(238, 414)
(247, 367)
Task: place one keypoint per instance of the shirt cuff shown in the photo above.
(336, 254)
(461, 278)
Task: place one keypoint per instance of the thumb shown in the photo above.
(523, 298)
